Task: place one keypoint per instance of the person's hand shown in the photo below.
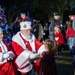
(34, 55)
(11, 55)
(37, 58)
(6, 55)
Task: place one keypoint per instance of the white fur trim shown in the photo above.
(56, 38)
(3, 47)
(25, 25)
(27, 69)
(31, 41)
(41, 49)
(22, 59)
(1, 59)
(34, 55)
(16, 38)
(20, 41)
(1, 56)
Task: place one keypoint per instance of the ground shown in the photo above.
(64, 62)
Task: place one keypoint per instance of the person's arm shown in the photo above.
(37, 58)
(1, 55)
(39, 46)
(23, 55)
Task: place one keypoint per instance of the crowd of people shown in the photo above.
(27, 52)
(34, 46)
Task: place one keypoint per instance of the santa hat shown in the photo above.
(25, 25)
(56, 27)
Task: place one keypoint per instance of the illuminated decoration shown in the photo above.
(4, 26)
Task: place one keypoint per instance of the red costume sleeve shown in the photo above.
(38, 44)
(0, 49)
(17, 48)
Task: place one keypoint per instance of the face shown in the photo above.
(1, 35)
(23, 15)
(57, 17)
(26, 32)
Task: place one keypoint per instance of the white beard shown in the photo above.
(28, 36)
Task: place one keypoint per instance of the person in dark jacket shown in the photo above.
(55, 21)
(16, 26)
(37, 30)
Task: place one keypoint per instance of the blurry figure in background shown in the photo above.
(46, 32)
(24, 17)
(37, 30)
(73, 24)
(55, 21)
(70, 36)
(59, 38)
(47, 63)
(6, 57)
(72, 18)
(16, 25)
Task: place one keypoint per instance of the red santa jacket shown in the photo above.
(23, 48)
(2, 50)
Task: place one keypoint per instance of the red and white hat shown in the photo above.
(25, 25)
(56, 27)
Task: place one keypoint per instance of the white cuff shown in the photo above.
(22, 58)
(41, 49)
(34, 55)
(6, 55)
(1, 57)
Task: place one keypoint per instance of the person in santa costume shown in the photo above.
(26, 48)
(6, 57)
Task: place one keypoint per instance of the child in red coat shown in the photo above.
(6, 57)
(59, 38)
